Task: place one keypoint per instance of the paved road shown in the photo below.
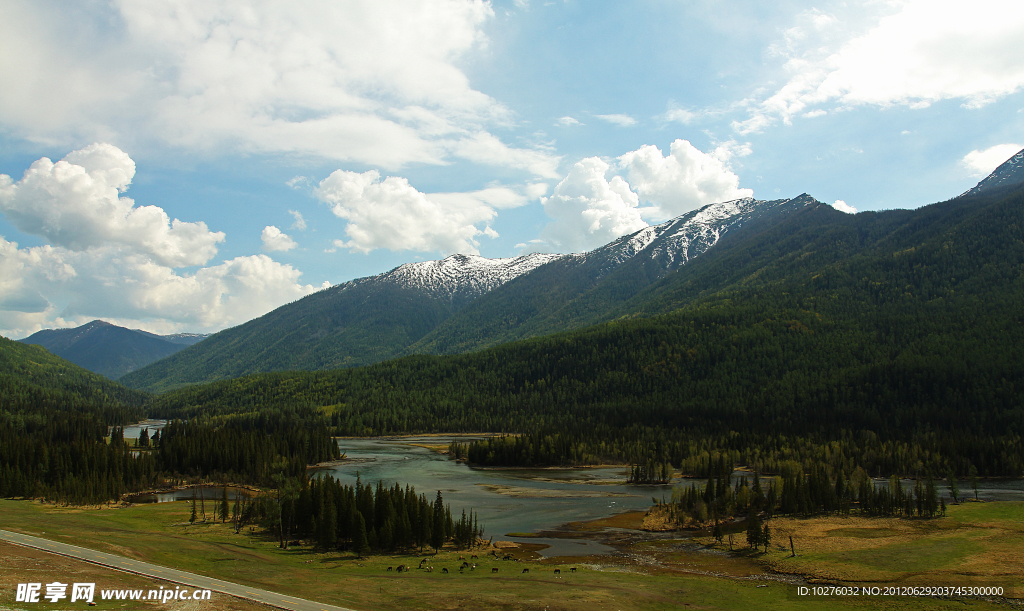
(168, 574)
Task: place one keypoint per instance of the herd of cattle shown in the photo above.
(467, 565)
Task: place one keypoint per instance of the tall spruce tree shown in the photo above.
(439, 527)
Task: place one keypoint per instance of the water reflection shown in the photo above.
(204, 493)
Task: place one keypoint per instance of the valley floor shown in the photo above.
(974, 545)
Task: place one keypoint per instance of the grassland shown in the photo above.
(24, 565)
(978, 543)
(650, 576)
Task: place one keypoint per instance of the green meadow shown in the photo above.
(946, 549)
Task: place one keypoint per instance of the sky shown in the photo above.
(188, 165)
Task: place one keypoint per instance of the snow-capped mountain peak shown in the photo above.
(460, 277)
(679, 240)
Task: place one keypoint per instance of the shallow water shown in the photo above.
(206, 493)
(505, 500)
(132, 431)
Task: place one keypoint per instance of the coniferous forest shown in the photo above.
(362, 518)
(828, 349)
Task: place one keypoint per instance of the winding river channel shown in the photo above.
(505, 500)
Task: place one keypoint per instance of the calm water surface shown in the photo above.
(543, 499)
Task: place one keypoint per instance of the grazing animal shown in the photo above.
(402, 567)
(572, 570)
(444, 570)
(391, 568)
(464, 565)
(473, 557)
(558, 571)
(462, 557)
(526, 570)
(494, 569)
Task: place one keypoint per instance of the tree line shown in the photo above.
(362, 518)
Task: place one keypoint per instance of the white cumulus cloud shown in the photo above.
(108, 258)
(842, 206)
(276, 240)
(46, 286)
(684, 180)
(922, 52)
(981, 163)
(392, 214)
(589, 210)
(76, 203)
(370, 81)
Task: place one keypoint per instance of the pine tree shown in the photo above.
(439, 527)
(360, 542)
(754, 531)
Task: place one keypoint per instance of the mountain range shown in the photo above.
(108, 349)
(889, 341)
(466, 302)
(460, 303)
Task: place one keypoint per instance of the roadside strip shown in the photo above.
(120, 563)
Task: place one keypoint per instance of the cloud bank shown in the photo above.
(107, 258)
(923, 52)
(368, 81)
(981, 163)
(589, 210)
(392, 214)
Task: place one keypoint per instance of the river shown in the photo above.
(505, 500)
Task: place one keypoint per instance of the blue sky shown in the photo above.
(188, 165)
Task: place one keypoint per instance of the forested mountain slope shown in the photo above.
(363, 321)
(886, 341)
(460, 303)
(580, 290)
(107, 349)
(32, 380)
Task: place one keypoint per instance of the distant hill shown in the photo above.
(110, 350)
(32, 380)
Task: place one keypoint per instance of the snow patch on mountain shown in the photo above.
(673, 243)
(1010, 172)
(459, 276)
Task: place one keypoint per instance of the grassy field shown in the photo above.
(661, 575)
(24, 565)
(976, 544)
